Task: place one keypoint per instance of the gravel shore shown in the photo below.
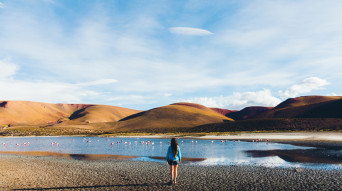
(50, 173)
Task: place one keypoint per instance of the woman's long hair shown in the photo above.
(174, 146)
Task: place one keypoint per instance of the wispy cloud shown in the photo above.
(98, 82)
(189, 31)
(306, 86)
(1, 5)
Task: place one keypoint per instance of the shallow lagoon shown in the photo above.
(215, 152)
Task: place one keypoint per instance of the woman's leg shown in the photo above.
(172, 173)
(175, 168)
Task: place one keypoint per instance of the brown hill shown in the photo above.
(101, 113)
(170, 117)
(305, 100)
(308, 107)
(223, 111)
(33, 113)
(248, 112)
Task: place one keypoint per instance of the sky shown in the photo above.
(144, 54)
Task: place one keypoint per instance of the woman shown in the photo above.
(173, 158)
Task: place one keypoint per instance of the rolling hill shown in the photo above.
(224, 111)
(34, 113)
(101, 113)
(248, 112)
(306, 113)
(170, 117)
(307, 107)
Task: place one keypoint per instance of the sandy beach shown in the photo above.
(50, 173)
(283, 136)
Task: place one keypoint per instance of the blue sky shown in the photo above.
(145, 54)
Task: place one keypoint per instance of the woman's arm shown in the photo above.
(179, 154)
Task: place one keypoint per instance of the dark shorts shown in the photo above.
(173, 162)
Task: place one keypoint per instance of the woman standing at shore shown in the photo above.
(173, 158)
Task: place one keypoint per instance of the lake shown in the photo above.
(214, 152)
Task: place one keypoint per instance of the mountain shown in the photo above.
(170, 117)
(224, 111)
(307, 107)
(294, 114)
(248, 112)
(34, 113)
(101, 113)
(306, 113)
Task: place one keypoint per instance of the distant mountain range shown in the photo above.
(301, 113)
(294, 114)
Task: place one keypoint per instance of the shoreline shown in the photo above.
(332, 136)
(288, 136)
(323, 137)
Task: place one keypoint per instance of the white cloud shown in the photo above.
(1, 5)
(238, 100)
(189, 31)
(248, 38)
(132, 100)
(306, 86)
(333, 94)
(7, 68)
(98, 82)
(43, 91)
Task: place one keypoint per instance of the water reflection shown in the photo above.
(196, 152)
(319, 155)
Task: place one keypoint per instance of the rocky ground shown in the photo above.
(51, 173)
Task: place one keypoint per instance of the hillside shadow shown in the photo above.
(132, 116)
(77, 114)
(3, 104)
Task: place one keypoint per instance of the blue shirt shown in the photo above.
(171, 156)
